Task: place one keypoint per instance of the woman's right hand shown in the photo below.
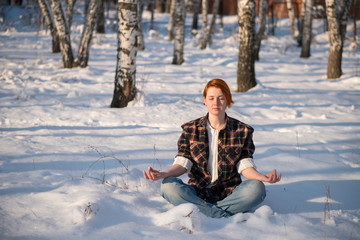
(153, 175)
(174, 171)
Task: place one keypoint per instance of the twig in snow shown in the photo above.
(102, 158)
(88, 211)
(156, 159)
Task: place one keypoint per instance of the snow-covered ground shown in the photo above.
(71, 166)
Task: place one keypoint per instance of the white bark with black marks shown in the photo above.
(63, 32)
(179, 32)
(54, 35)
(83, 55)
(204, 27)
(337, 12)
(125, 74)
(306, 30)
(246, 60)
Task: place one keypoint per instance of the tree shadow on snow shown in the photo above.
(312, 195)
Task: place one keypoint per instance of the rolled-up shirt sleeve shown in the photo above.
(184, 162)
(245, 163)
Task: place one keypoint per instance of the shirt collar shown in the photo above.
(228, 122)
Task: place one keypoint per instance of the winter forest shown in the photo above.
(92, 92)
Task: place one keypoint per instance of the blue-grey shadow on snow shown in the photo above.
(311, 196)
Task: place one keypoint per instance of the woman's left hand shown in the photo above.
(252, 173)
(272, 177)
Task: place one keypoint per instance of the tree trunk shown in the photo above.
(69, 12)
(171, 20)
(291, 17)
(53, 31)
(159, 6)
(152, 3)
(354, 28)
(196, 8)
(212, 22)
(100, 25)
(83, 55)
(306, 36)
(204, 28)
(246, 61)
(179, 32)
(344, 14)
(125, 75)
(301, 22)
(261, 28)
(86, 8)
(64, 34)
(337, 29)
(167, 6)
(140, 40)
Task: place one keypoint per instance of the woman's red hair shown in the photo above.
(221, 84)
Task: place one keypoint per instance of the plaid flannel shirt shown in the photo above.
(235, 143)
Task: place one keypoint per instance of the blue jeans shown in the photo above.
(247, 195)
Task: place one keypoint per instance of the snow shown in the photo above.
(71, 166)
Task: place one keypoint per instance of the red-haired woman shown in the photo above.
(215, 150)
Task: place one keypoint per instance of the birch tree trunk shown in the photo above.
(86, 8)
(291, 14)
(204, 27)
(100, 25)
(69, 12)
(345, 13)
(125, 74)
(301, 24)
(83, 55)
(167, 6)
(140, 40)
(196, 8)
(261, 28)
(64, 34)
(212, 22)
(307, 27)
(152, 3)
(159, 6)
(54, 35)
(179, 37)
(337, 14)
(171, 20)
(246, 61)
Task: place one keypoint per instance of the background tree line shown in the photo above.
(58, 15)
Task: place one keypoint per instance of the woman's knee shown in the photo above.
(175, 191)
(167, 184)
(257, 188)
(170, 180)
(171, 187)
(170, 183)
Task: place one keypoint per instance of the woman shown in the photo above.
(215, 150)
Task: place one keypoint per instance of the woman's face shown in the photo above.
(215, 101)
